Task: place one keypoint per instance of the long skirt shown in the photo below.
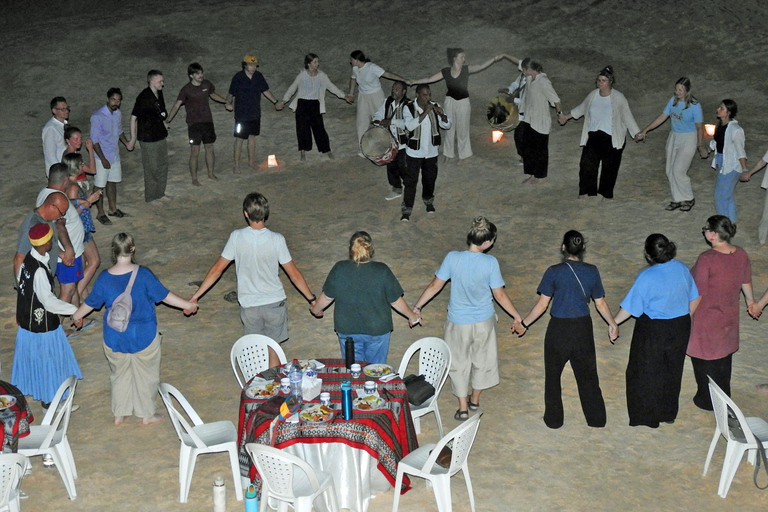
(41, 362)
(655, 369)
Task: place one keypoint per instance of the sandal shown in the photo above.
(472, 406)
(104, 220)
(461, 415)
(119, 214)
(673, 206)
(687, 205)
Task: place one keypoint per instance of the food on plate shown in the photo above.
(368, 403)
(377, 370)
(260, 391)
(7, 401)
(316, 413)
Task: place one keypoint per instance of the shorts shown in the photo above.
(244, 129)
(270, 320)
(72, 274)
(113, 175)
(201, 132)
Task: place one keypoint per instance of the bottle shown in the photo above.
(296, 377)
(219, 495)
(349, 352)
(346, 400)
(251, 500)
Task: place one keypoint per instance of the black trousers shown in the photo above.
(533, 148)
(428, 169)
(571, 339)
(396, 169)
(655, 369)
(309, 121)
(599, 150)
(719, 370)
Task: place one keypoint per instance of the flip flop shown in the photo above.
(119, 214)
(104, 220)
(461, 415)
(472, 406)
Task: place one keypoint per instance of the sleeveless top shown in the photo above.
(30, 313)
(458, 88)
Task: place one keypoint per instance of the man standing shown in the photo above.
(106, 131)
(195, 97)
(423, 119)
(390, 114)
(53, 133)
(258, 253)
(246, 89)
(148, 127)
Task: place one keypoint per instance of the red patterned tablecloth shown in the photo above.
(16, 418)
(388, 435)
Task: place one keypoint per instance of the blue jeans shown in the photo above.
(371, 349)
(725, 199)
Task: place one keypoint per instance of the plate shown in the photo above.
(263, 391)
(316, 413)
(369, 403)
(303, 363)
(6, 401)
(377, 370)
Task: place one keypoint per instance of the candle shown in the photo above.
(497, 135)
(710, 129)
(272, 161)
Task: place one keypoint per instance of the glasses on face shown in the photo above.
(61, 214)
(62, 108)
(602, 80)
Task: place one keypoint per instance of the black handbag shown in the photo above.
(419, 390)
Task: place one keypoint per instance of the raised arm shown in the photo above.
(486, 64)
(393, 76)
(654, 124)
(432, 79)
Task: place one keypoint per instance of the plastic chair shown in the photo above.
(50, 437)
(250, 354)
(216, 437)
(737, 445)
(421, 463)
(434, 363)
(290, 480)
(11, 471)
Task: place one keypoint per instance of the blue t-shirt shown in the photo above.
(146, 292)
(662, 291)
(568, 299)
(247, 93)
(473, 275)
(684, 119)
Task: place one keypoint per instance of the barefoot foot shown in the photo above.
(153, 419)
(196, 183)
(119, 420)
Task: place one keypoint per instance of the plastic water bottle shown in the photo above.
(219, 495)
(251, 499)
(346, 400)
(349, 352)
(296, 378)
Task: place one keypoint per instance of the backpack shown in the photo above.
(120, 312)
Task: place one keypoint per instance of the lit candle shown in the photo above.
(710, 129)
(497, 135)
(272, 161)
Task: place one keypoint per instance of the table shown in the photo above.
(16, 418)
(358, 452)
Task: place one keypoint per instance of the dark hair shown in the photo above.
(534, 65)
(57, 174)
(153, 73)
(123, 245)
(114, 90)
(659, 249)
(420, 88)
(731, 107)
(57, 100)
(69, 130)
(607, 72)
(308, 58)
(482, 231)
(689, 99)
(360, 247)
(451, 53)
(358, 55)
(401, 84)
(574, 244)
(256, 206)
(721, 225)
(194, 68)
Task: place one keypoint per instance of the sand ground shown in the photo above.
(79, 49)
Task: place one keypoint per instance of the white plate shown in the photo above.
(369, 403)
(316, 413)
(263, 391)
(378, 370)
(6, 401)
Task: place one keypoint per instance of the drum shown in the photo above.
(502, 113)
(378, 145)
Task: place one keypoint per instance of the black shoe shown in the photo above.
(430, 208)
(686, 206)
(406, 217)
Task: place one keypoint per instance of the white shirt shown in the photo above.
(426, 148)
(601, 114)
(74, 224)
(42, 288)
(53, 143)
(367, 77)
(396, 123)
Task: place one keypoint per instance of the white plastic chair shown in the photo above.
(50, 437)
(434, 363)
(421, 463)
(290, 480)
(216, 437)
(11, 471)
(737, 445)
(250, 354)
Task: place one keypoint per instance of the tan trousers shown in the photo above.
(367, 105)
(474, 355)
(459, 113)
(134, 380)
(680, 150)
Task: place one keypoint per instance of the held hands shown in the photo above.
(77, 324)
(562, 119)
(755, 310)
(613, 333)
(640, 137)
(517, 328)
(280, 105)
(704, 153)
(228, 107)
(131, 144)
(193, 307)
(349, 99)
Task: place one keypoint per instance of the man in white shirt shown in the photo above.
(423, 119)
(53, 133)
(390, 115)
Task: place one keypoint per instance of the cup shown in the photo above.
(355, 370)
(369, 387)
(285, 385)
(325, 399)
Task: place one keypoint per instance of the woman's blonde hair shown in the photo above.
(122, 245)
(360, 247)
(482, 231)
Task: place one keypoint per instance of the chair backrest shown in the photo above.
(721, 403)
(183, 428)
(460, 440)
(250, 354)
(58, 416)
(11, 468)
(434, 360)
(276, 469)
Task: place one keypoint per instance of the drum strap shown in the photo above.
(396, 112)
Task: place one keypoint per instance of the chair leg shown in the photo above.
(441, 486)
(332, 498)
(63, 466)
(417, 424)
(187, 460)
(68, 451)
(439, 421)
(468, 481)
(398, 486)
(711, 452)
(733, 455)
(235, 462)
